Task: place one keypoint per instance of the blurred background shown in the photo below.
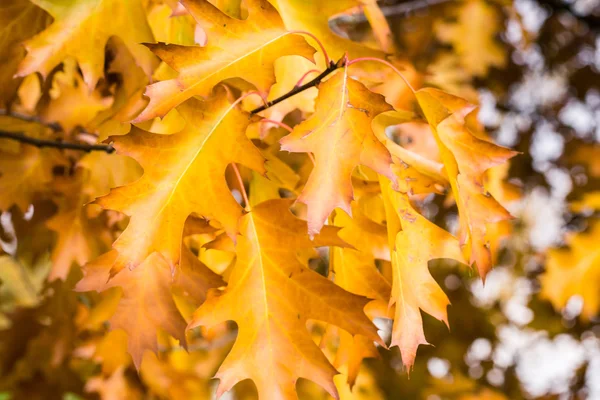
(533, 330)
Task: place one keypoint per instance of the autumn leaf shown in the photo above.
(79, 239)
(25, 174)
(473, 37)
(466, 157)
(288, 71)
(243, 49)
(575, 272)
(354, 270)
(81, 30)
(19, 19)
(161, 200)
(147, 303)
(415, 241)
(340, 136)
(72, 104)
(270, 296)
(313, 16)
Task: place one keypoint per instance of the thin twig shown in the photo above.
(242, 188)
(29, 118)
(109, 149)
(278, 123)
(403, 9)
(56, 144)
(297, 89)
(316, 39)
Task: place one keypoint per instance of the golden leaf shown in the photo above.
(340, 136)
(270, 296)
(162, 199)
(236, 48)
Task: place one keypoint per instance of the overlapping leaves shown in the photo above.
(362, 196)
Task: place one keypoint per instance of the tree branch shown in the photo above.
(109, 149)
(297, 89)
(56, 143)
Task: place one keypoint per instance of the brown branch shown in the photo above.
(403, 9)
(109, 149)
(30, 118)
(56, 143)
(297, 89)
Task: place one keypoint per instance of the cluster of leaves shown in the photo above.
(240, 190)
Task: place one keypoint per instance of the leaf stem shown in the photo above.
(280, 124)
(396, 70)
(242, 188)
(304, 76)
(297, 89)
(327, 61)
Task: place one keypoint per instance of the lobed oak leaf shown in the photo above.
(71, 103)
(19, 20)
(355, 271)
(466, 156)
(313, 16)
(104, 171)
(364, 235)
(81, 30)
(340, 136)
(416, 241)
(147, 304)
(79, 239)
(128, 99)
(271, 295)
(415, 173)
(162, 199)
(244, 49)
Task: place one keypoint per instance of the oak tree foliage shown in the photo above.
(226, 178)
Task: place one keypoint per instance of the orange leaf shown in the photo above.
(466, 157)
(413, 288)
(194, 181)
(147, 303)
(236, 48)
(81, 30)
(339, 134)
(270, 296)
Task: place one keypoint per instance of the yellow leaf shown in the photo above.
(416, 241)
(26, 174)
(72, 104)
(236, 48)
(81, 29)
(575, 271)
(340, 136)
(473, 36)
(147, 303)
(466, 157)
(355, 271)
(19, 20)
(313, 16)
(162, 199)
(270, 296)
